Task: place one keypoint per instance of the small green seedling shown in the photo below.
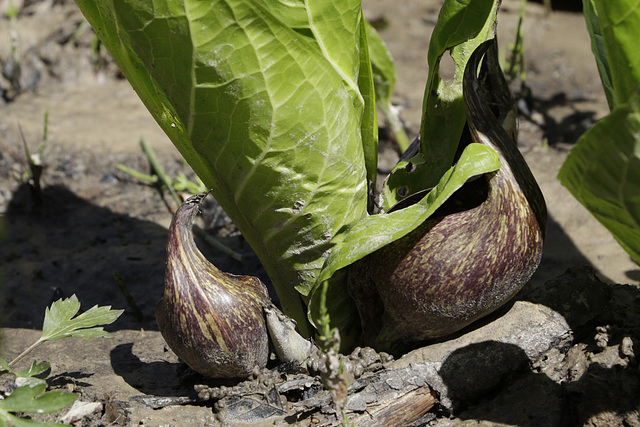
(34, 160)
(60, 321)
(515, 66)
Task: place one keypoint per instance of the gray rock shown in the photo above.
(464, 369)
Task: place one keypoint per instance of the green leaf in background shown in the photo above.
(603, 173)
(384, 70)
(462, 26)
(384, 77)
(376, 231)
(620, 26)
(599, 50)
(33, 400)
(59, 320)
(266, 109)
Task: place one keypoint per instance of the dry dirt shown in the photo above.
(93, 221)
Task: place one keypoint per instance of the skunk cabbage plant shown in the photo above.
(272, 103)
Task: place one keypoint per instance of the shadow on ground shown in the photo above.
(591, 377)
(64, 245)
(60, 244)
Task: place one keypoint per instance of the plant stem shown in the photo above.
(217, 244)
(137, 174)
(516, 62)
(45, 130)
(157, 169)
(396, 126)
(132, 302)
(25, 352)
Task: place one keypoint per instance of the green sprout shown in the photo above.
(60, 321)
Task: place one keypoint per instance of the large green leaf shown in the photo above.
(603, 169)
(603, 172)
(376, 231)
(620, 26)
(263, 101)
(462, 26)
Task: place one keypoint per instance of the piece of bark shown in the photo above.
(396, 408)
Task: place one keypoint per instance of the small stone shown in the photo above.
(602, 336)
(626, 347)
(473, 364)
(79, 410)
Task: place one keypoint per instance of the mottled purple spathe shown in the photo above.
(478, 249)
(212, 320)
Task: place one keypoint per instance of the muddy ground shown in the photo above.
(92, 220)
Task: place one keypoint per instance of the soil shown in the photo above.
(90, 221)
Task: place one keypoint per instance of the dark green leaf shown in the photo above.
(603, 172)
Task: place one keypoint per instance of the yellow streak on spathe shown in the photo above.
(208, 319)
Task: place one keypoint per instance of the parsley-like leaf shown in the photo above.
(59, 320)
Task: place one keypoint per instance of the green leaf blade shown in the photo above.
(336, 27)
(369, 124)
(458, 21)
(602, 173)
(462, 26)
